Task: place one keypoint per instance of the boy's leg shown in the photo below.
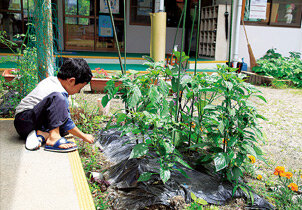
(50, 114)
(25, 127)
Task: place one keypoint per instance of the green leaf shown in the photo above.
(199, 145)
(234, 189)
(181, 161)
(148, 58)
(139, 150)
(220, 161)
(164, 174)
(252, 197)
(165, 108)
(182, 172)
(193, 196)
(201, 201)
(245, 191)
(261, 97)
(261, 117)
(236, 171)
(105, 100)
(221, 127)
(134, 97)
(163, 87)
(121, 117)
(258, 150)
(168, 147)
(249, 150)
(153, 94)
(168, 71)
(144, 176)
(174, 84)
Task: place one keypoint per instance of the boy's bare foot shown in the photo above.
(51, 142)
(54, 136)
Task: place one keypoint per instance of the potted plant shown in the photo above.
(9, 74)
(99, 80)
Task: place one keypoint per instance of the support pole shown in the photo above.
(44, 36)
(237, 31)
(115, 37)
(158, 36)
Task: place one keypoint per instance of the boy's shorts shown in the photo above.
(50, 113)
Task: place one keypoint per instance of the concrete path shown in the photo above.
(36, 180)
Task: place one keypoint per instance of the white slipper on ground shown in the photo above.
(32, 141)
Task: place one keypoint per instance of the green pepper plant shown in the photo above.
(207, 114)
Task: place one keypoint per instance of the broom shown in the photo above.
(253, 62)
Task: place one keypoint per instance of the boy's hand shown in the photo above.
(88, 138)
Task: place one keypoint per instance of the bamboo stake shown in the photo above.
(115, 36)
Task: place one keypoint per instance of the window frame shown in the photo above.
(269, 23)
(133, 8)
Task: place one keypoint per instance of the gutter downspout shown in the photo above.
(235, 56)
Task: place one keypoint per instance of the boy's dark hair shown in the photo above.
(77, 68)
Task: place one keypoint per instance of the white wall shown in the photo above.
(263, 38)
(138, 37)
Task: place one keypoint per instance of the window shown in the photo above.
(273, 12)
(77, 7)
(140, 12)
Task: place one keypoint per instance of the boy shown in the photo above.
(43, 115)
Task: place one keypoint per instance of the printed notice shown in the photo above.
(258, 9)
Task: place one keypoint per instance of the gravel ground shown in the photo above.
(283, 129)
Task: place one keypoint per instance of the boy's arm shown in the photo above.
(86, 137)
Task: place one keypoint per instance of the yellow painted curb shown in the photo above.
(7, 119)
(98, 57)
(81, 185)
(83, 56)
(208, 61)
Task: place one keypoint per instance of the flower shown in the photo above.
(279, 170)
(225, 141)
(193, 125)
(101, 73)
(252, 159)
(288, 175)
(293, 187)
(259, 177)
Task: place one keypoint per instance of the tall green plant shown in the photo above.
(223, 128)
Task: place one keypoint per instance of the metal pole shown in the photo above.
(198, 36)
(125, 36)
(231, 26)
(115, 36)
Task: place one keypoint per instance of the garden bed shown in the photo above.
(282, 135)
(257, 79)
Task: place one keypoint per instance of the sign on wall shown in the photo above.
(114, 6)
(105, 26)
(258, 9)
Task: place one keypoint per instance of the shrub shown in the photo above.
(288, 68)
